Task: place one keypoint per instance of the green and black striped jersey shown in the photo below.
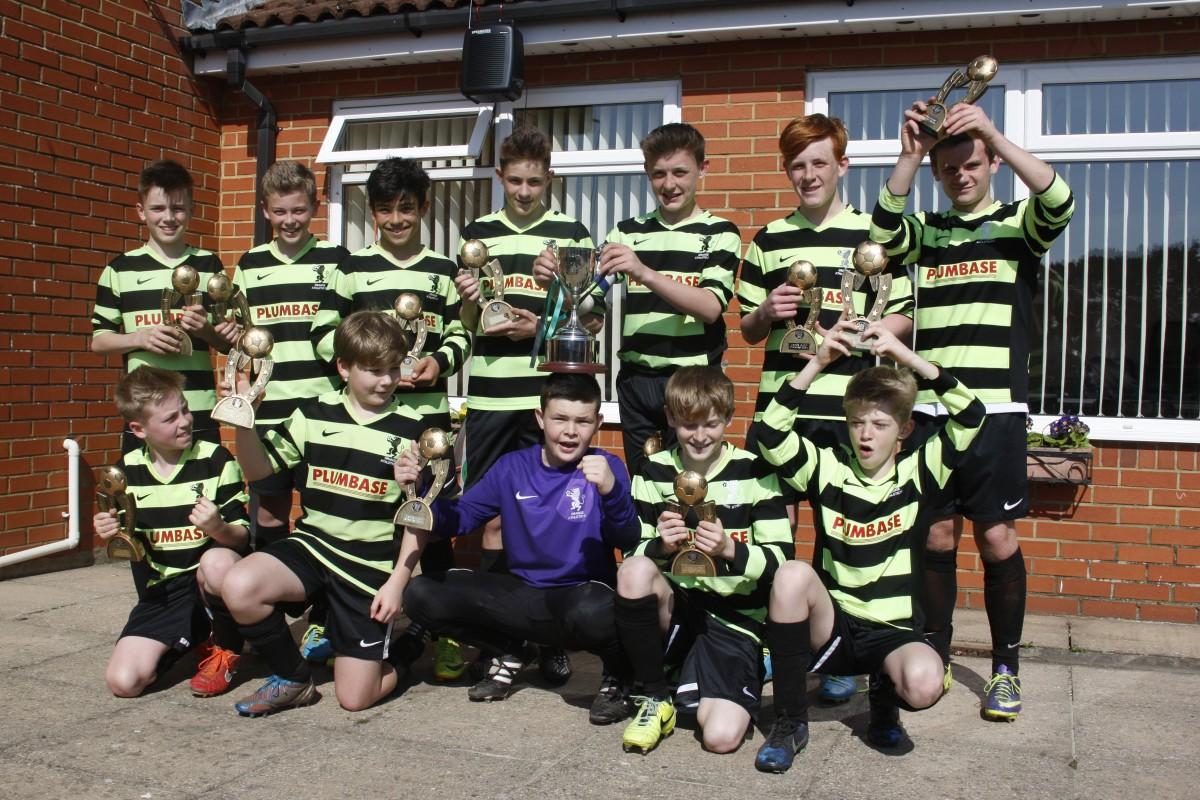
(284, 295)
(349, 493)
(163, 504)
(129, 298)
(373, 279)
(701, 251)
(976, 276)
(828, 247)
(501, 378)
(869, 547)
(749, 506)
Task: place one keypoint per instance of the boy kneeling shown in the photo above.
(859, 609)
(344, 542)
(566, 507)
(712, 625)
(191, 515)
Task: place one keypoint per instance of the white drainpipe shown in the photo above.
(71, 515)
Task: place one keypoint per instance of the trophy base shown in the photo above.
(934, 120)
(408, 366)
(123, 548)
(234, 411)
(798, 342)
(572, 366)
(495, 312)
(693, 564)
(415, 514)
(185, 343)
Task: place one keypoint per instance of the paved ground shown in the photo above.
(1096, 725)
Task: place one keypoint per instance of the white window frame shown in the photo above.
(381, 109)
(626, 161)
(1023, 124)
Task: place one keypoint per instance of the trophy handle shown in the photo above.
(420, 334)
(953, 81)
(975, 90)
(241, 307)
(441, 468)
(851, 281)
(882, 285)
(813, 298)
(494, 271)
(262, 368)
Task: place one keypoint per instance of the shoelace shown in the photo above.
(610, 685)
(504, 671)
(216, 661)
(647, 709)
(1003, 686)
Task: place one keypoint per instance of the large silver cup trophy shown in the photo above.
(572, 348)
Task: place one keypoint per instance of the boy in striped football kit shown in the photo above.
(347, 443)
(127, 318)
(372, 278)
(284, 282)
(191, 516)
(824, 231)
(505, 390)
(712, 626)
(858, 607)
(676, 266)
(977, 267)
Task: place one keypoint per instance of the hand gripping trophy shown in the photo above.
(408, 311)
(184, 282)
(799, 340)
(433, 447)
(870, 260)
(981, 70)
(690, 490)
(252, 349)
(493, 312)
(226, 295)
(112, 495)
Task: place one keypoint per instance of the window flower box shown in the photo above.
(1061, 455)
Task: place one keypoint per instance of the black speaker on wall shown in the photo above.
(493, 64)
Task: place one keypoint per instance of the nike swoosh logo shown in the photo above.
(636, 242)
(328, 433)
(525, 496)
(140, 281)
(373, 282)
(748, 693)
(1010, 506)
(259, 276)
(361, 643)
(141, 497)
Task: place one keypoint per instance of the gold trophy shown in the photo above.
(111, 495)
(226, 295)
(493, 312)
(433, 448)
(800, 340)
(870, 261)
(572, 348)
(690, 490)
(408, 311)
(252, 349)
(653, 444)
(981, 70)
(184, 282)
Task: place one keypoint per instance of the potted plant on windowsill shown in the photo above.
(1062, 454)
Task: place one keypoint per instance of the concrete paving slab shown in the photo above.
(1123, 636)
(1091, 731)
(971, 630)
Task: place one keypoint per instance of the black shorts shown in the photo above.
(491, 434)
(991, 484)
(281, 482)
(172, 613)
(715, 661)
(641, 398)
(349, 626)
(830, 433)
(858, 647)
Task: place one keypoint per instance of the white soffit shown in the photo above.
(735, 23)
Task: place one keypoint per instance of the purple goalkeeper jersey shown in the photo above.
(558, 530)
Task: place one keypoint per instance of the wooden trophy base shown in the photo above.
(572, 366)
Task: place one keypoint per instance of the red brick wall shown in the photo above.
(90, 90)
(1127, 546)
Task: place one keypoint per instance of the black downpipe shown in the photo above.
(235, 75)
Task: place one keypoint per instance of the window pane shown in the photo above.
(407, 132)
(601, 127)
(877, 114)
(1117, 314)
(1121, 107)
